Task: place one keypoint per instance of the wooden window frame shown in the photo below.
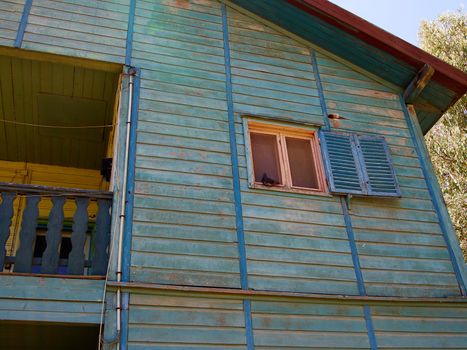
(282, 131)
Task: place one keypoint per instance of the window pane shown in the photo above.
(265, 159)
(302, 167)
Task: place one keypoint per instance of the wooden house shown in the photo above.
(203, 174)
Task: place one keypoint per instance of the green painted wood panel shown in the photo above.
(399, 240)
(165, 321)
(10, 16)
(294, 242)
(267, 71)
(27, 298)
(184, 218)
(293, 325)
(422, 327)
(87, 29)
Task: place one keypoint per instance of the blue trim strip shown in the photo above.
(234, 156)
(124, 321)
(435, 194)
(23, 22)
(236, 183)
(347, 218)
(369, 327)
(129, 35)
(250, 342)
(322, 101)
(130, 187)
(353, 247)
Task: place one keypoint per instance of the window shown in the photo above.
(284, 158)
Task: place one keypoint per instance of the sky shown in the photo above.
(399, 17)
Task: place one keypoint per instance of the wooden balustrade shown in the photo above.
(84, 228)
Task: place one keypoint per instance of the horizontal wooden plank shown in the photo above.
(185, 277)
(190, 335)
(184, 247)
(302, 285)
(184, 232)
(49, 299)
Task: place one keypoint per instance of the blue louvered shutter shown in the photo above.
(379, 171)
(359, 165)
(341, 164)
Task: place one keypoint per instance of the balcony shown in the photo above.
(57, 138)
(54, 231)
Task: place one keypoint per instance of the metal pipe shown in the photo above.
(123, 204)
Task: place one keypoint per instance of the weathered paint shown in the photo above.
(185, 322)
(236, 181)
(184, 218)
(184, 229)
(449, 234)
(345, 203)
(343, 43)
(169, 319)
(42, 299)
(423, 327)
(287, 236)
(399, 241)
(87, 29)
(10, 15)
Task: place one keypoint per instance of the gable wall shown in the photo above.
(184, 218)
(184, 229)
(400, 243)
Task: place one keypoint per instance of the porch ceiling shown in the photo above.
(44, 93)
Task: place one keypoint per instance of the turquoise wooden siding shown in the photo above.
(27, 298)
(400, 242)
(184, 223)
(427, 327)
(293, 325)
(294, 242)
(271, 74)
(184, 230)
(10, 16)
(88, 29)
(205, 321)
(159, 322)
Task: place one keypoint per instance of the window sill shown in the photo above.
(258, 186)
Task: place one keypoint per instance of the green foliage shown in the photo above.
(446, 38)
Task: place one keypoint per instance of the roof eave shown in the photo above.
(445, 74)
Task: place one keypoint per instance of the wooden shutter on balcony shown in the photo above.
(358, 164)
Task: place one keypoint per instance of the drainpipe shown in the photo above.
(131, 73)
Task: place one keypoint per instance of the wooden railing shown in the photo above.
(87, 217)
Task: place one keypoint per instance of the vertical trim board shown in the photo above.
(436, 197)
(234, 155)
(236, 182)
(347, 217)
(314, 63)
(23, 22)
(129, 35)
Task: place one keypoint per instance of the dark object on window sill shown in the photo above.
(267, 181)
